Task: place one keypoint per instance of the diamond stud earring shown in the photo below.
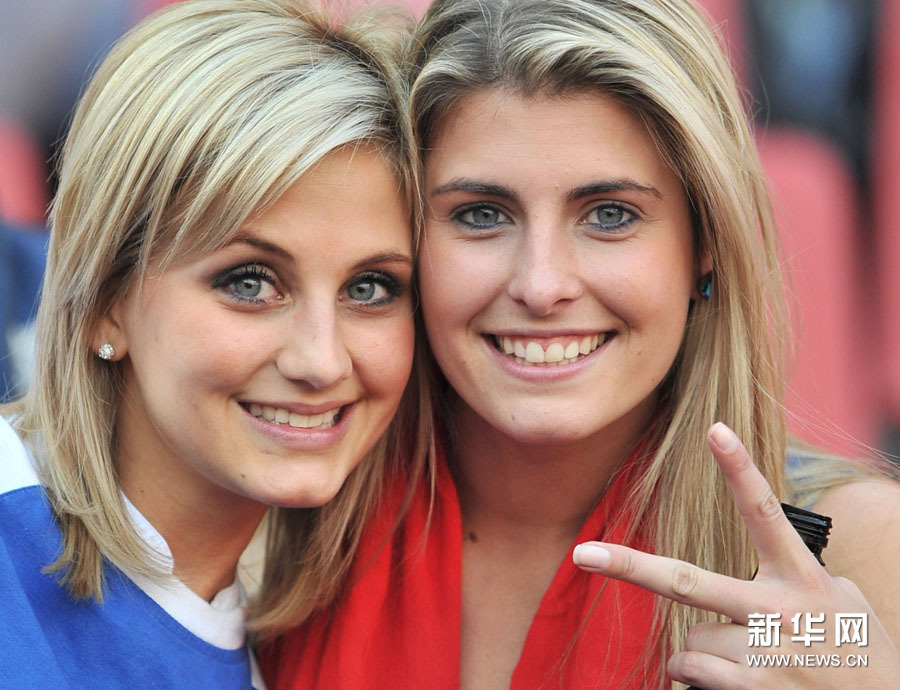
(106, 351)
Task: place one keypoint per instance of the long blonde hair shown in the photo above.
(660, 59)
(199, 119)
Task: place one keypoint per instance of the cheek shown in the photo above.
(456, 281)
(652, 287)
(382, 356)
(209, 350)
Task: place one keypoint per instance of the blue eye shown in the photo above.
(247, 287)
(248, 283)
(610, 217)
(374, 288)
(480, 216)
(366, 291)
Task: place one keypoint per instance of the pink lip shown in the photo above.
(303, 439)
(540, 374)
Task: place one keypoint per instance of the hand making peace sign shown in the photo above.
(789, 581)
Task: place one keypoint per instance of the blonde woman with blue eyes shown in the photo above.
(599, 285)
(226, 325)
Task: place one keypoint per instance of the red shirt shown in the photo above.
(398, 625)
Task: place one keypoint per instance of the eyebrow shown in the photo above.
(490, 189)
(607, 186)
(265, 246)
(377, 258)
(462, 184)
(384, 258)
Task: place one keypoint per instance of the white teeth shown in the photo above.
(531, 352)
(299, 420)
(284, 417)
(554, 353)
(534, 353)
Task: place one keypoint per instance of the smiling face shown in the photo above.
(268, 368)
(558, 264)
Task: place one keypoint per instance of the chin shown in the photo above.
(306, 496)
(544, 432)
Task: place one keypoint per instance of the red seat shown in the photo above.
(23, 177)
(831, 399)
(886, 197)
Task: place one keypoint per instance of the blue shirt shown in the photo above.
(48, 640)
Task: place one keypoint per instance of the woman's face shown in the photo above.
(268, 368)
(558, 264)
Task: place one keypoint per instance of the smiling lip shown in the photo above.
(306, 433)
(545, 356)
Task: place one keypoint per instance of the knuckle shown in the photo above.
(685, 580)
(768, 507)
(744, 463)
(687, 665)
(627, 565)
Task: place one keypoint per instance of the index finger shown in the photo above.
(682, 582)
(778, 545)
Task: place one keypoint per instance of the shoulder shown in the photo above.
(16, 465)
(864, 539)
(868, 506)
(865, 515)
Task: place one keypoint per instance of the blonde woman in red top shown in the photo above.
(599, 283)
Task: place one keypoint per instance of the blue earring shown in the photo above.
(705, 285)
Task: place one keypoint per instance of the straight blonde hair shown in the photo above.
(661, 60)
(198, 120)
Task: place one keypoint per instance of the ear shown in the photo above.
(704, 267)
(109, 330)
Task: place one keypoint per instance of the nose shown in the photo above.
(314, 352)
(545, 272)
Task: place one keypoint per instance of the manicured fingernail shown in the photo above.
(723, 437)
(591, 555)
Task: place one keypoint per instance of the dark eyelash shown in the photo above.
(227, 278)
(242, 271)
(458, 214)
(622, 207)
(394, 285)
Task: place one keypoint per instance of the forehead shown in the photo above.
(365, 169)
(351, 202)
(582, 132)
